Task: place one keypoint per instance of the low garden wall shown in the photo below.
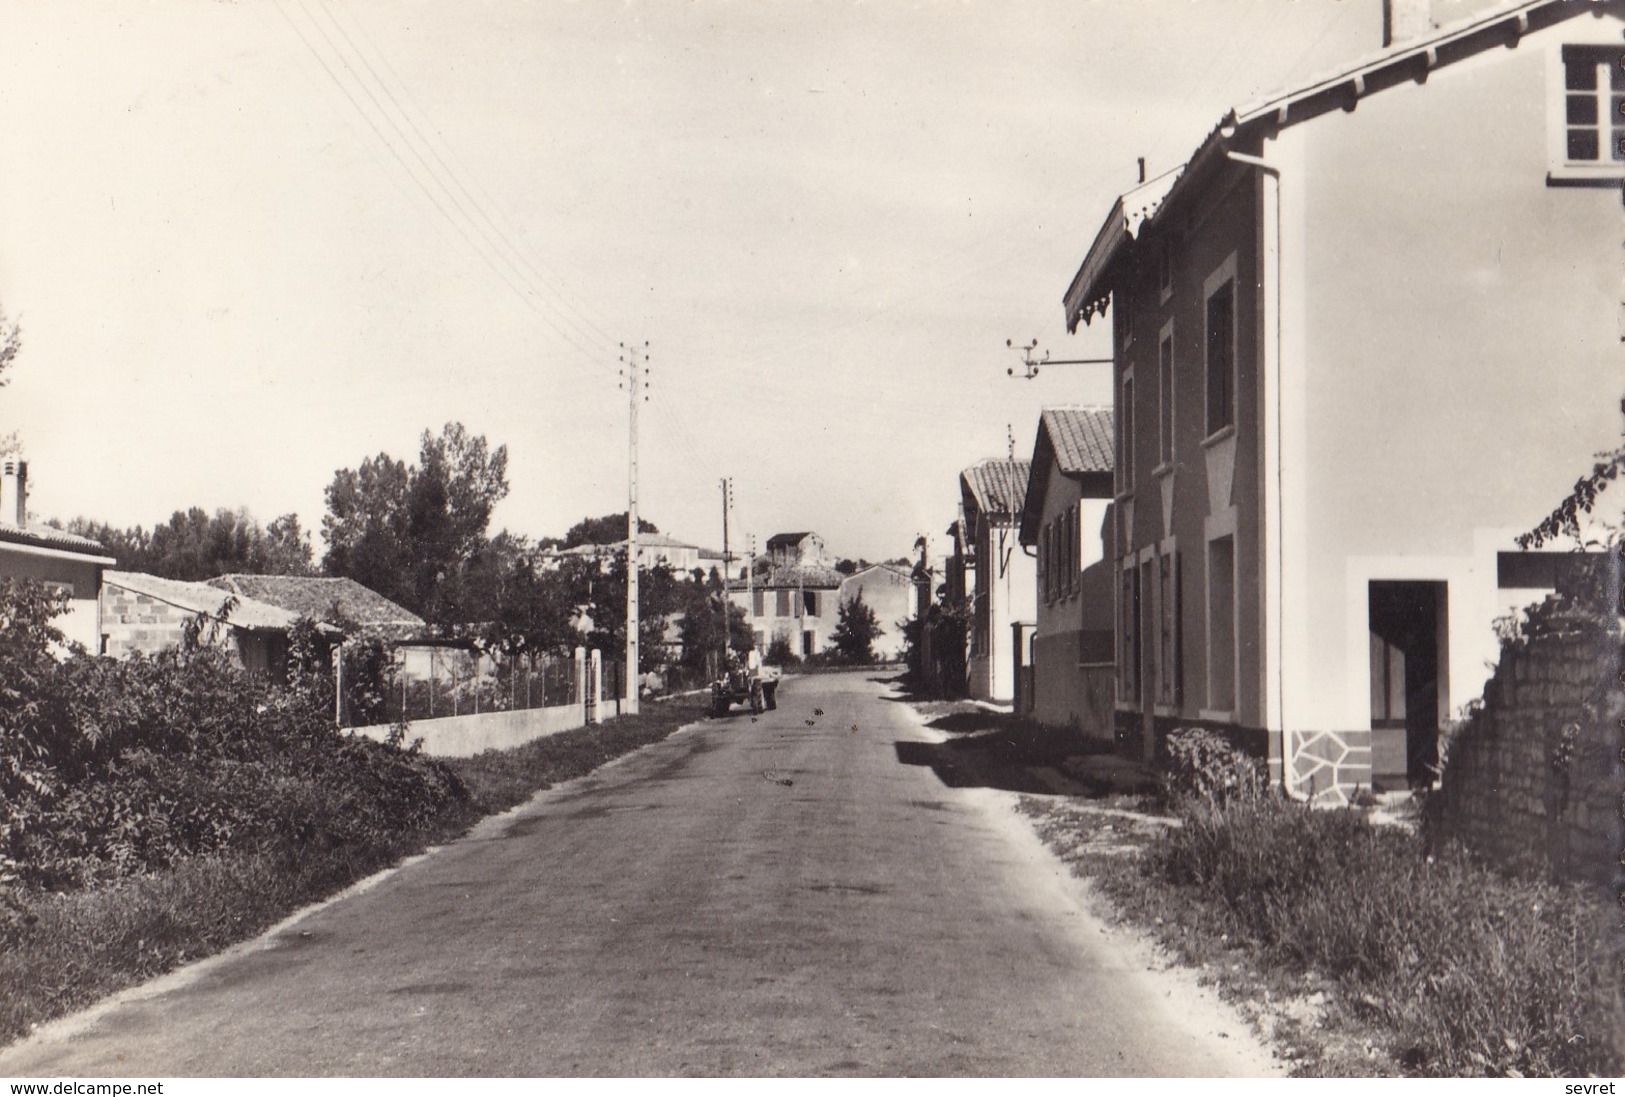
(466, 736)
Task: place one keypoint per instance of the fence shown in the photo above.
(430, 683)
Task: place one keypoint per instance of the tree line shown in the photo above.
(418, 533)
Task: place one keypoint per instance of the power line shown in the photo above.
(439, 206)
(498, 235)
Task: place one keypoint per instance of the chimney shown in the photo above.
(1403, 20)
(14, 492)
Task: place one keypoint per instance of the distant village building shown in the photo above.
(789, 600)
(794, 594)
(1068, 500)
(888, 590)
(653, 549)
(1365, 335)
(992, 495)
(44, 554)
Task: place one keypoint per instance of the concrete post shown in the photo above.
(595, 685)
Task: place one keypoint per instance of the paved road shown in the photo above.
(782, 897)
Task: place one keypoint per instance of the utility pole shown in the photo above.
(750, 586)
(635, 377)
(727, 499)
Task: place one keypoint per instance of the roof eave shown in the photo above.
(1087, 294)
(1408, 62)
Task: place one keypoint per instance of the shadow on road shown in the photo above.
(998, 750)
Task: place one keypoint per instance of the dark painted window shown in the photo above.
(1221, 357)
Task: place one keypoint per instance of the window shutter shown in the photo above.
(1179, 631)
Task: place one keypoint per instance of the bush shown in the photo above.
(1481, 973)
(1205, 765)
(113, 767)
(779, 653)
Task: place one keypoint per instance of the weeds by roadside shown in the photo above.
(1356, 952)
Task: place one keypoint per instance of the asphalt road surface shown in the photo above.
(777, 897)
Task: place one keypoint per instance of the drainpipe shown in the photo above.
(1275, 547)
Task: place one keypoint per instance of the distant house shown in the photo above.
(47, 555)
(796, 603)
(1069, 493)
(1366, 334)
(793, 549)
(992, 495)
(148, 614)
(653, 549)
(888, 590)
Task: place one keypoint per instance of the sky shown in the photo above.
(250, 244)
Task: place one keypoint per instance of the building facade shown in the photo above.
(44, 554)
(1359, 345)
(1063, 521)
(1004, 577)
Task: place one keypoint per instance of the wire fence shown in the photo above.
(428, 683)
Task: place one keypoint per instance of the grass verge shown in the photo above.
(66, 950)
(1354, 951)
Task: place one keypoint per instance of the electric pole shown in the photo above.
(635, 373)
(727, 499)
(750, 586)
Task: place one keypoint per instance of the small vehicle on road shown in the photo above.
(744, 686)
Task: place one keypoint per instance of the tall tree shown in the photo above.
(413, 532)
(195, 545)
(365, 526)
(856, 629)
(605, 530)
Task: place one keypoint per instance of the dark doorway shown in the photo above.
(1408, 671)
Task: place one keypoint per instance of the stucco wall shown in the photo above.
(1007, 578)
(1451, 357)
(1210, 487)
(81, 623)
(466, 736)
(891, 595)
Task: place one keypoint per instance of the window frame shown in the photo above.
(1167, 411)
(1221, 281)
(1217, 707)
(1608, 98)
(1125, 432)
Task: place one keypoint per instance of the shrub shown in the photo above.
(1204, 764)
(112, 767)
(1481, 973)
(779, 653)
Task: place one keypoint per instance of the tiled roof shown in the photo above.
(1076, 442)
(645, 540)
(203, 598)
(789, 538)
(998, 486)
(1082, 438)
(319, 598)
(43, 536)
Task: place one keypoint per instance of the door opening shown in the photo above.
(1409, 670)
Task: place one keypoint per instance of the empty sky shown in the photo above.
(252, 243)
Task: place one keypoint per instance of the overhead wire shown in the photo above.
(577, 315)
(590, 356)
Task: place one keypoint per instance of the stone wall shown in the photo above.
(1533, 778)
(1328, 767)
